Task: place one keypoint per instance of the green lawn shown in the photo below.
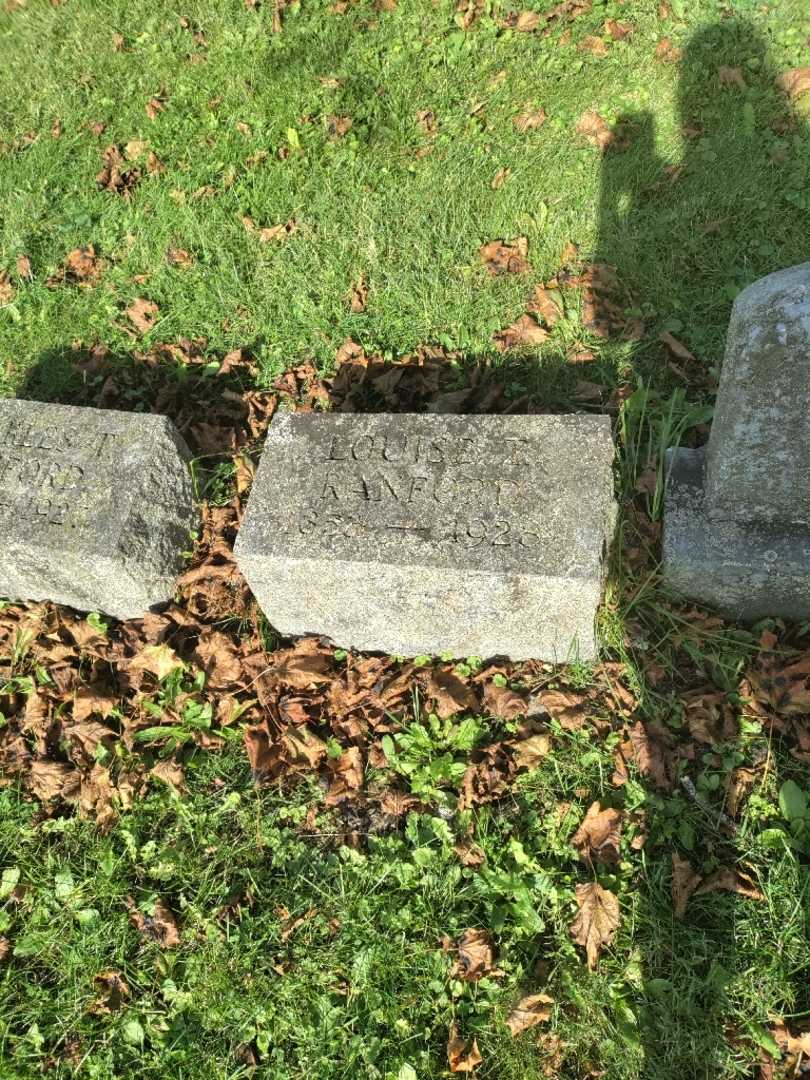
(224, 126)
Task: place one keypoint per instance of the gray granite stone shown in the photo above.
(409, 534)
(737, 515)
(758, 464)
(95, 507)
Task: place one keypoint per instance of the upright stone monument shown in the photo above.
(95, 507)
(409, 534)
(737, 516)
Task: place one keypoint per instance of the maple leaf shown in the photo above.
(475, 955)
(158, 660)
(504, 702)
(179, 257)
(528, 753)
(142, 314)
(593, 44)
(506, 256)
(154, 106)
(685, 879)
(427, 121)
(618, 30)
(525, 332)
(667, 52)
(306, 664)
(795, 83)
(529, 1011)
(462, 1056)
(547, 303)
(349, 774)
(160, 927)
(449, 694)
(527, 21)
(112, 991)
(597, 919)
(530, 119)
(338, 126)
(730, 880)
(599, 133)
(597, 838)
(358, 295)
(51, 780)
(6, 289)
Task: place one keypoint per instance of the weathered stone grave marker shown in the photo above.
(409, 534)
(737, 516)
(95, 507)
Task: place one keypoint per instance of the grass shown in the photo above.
(374, 996)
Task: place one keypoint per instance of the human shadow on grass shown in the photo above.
(681, 236)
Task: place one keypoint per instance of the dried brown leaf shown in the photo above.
(524, 333)
(530, 119)
(730, 880)
(506, 256)
(529, 1011)
(449, 694)
(142, 314)
(462, 1056)
(597, 920)
(475, 957)
(795, 83)
(685, 879)
(597, 838)
(731, 76)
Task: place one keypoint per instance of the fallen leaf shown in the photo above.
(112, 991)
(338, 126)
(506, 256)
(504, 702)
(449, 694)
(306, 664)
(427, 121)
(528, 753)
(529, 1012)
(171, 774)
(142, 314)
(358, 295)
(593, 44)
(24, 268)
(597, 838)
(179, 257)
(527, 22)
(530, 119)
(56, 129)
(475, 955)
(523, 333)
(596, 921)
(667, 52)
(598, 132)
(795, 83)
(731, 76)
(470, 854)
(243, 129)
(160, 927)
(499, 179)
(6, 289)
(685, 879)
(158, 660)
(462, 1056)
(154, 106)
(618, 30)
(51, 780)
(547, 303)
(134, 149)
(730, 881)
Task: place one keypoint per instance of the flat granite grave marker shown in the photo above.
(737, 515)
(410, 534)
(95, 507)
